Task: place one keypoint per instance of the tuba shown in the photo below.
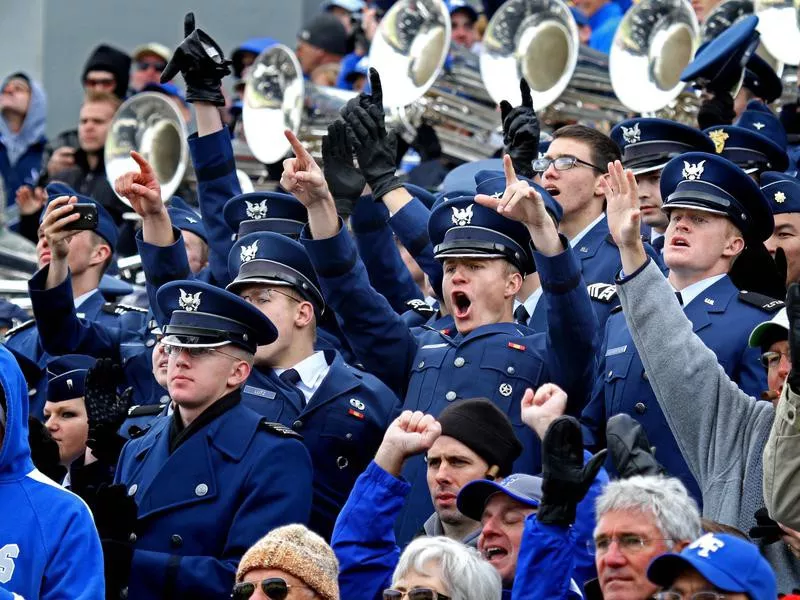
(538, 40)
(426, 79)
(655, 41)
(779, 25)
(152, 125)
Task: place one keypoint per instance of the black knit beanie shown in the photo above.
(106, 58)
(485, 429)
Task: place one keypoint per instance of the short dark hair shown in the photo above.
(603, 149)
(98, 240)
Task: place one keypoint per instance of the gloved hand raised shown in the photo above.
(345, 181)
(629, 447)
(521, 132)
(375, 148)
(105, 409)
(201, 62)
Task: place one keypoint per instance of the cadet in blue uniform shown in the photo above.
(485, 257)
(341, 412)
(647, 145)
(211, 479)
(783, 194)
(71, 265)
(714, 211)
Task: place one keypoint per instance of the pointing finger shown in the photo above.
(188, 24)
(144, 166)
(376, 86)
(508, 169)
(525, 90)
(298, 148)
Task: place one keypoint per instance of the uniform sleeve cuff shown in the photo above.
(394, 485)
(560, 273)
(333, 256)
(212, 155)
(624, 278)
(163, 264)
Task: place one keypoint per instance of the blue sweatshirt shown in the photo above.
(49, 547)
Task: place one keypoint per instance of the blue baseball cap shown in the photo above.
(762, 80)
(473, 497)
(66, 376)
(462, 228)
(273, 259)
(463, 6)
(782, 191)
(204, 316)
(265, 211)
(54, 189)
(493, 183)
(720, 61)
(11, 315)
(711, 183)
(168, 89)
(421, 194)
(462, 178)
(255, 45)
(749, 149)
(649, 144)
(727, 562)
(187, 220)
(106, 227)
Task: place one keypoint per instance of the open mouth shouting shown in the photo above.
(679, 242)
(461, 305)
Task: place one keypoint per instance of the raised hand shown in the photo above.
(202, 63)
(57, 216)
(540, 409)
(622, 200)
(409, 434)
(302, 176)
(520, 202)
(521, 131)
(141, 189)
(345, 181)
(30, 201)
(106, 410)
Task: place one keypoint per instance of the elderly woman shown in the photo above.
(438, 568)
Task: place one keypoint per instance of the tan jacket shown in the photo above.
(782, 462)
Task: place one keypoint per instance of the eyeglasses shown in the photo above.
(99, 82)
(265, 295)
(695, 596)
(562, 163)
(143, 65)
(415, 594)
(274, 587)
(771, 360)
(627, 544)
(193, 352)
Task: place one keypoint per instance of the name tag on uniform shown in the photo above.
(249, 389)
(617, 350)
(430, 346)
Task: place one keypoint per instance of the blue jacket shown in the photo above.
(604, 25)
(723, 321)
(428, 370)
(342, 427)
(204, 505)
(49, 547)
(410, 225)
(21, 153)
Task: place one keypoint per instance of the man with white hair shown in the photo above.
(638, 519)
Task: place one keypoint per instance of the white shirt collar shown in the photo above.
(574, 241)
(532, 300)
(690, 292)
(654, 235)
(84, 297)
(312, 370)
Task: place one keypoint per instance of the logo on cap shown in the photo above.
(708, 544)
(718, 136)
(69, 384)
(631, 134)
(189, 302)
(780, 197)
(759, 126)
(191, 219)
(256, 210)
(462, 217)
(249, 252)
(306, 34)
(692, 172)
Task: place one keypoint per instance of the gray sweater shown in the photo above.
(720, 430)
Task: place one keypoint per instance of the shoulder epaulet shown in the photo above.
(421, 308)
(763, 302)
(610, 240)
(113, 308)
(145, 410)
(602, 292)
(22, 326)
(280, 429)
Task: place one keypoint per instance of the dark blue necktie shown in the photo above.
(658, 244)
(291, 378)
(521, 315)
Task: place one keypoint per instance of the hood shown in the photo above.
(33, 127)
(15, 454)
(433, 527)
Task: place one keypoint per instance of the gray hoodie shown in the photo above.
(33, 127)
(720, 430)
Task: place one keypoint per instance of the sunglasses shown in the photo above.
(274, 588)
(143, 65)
(95, 82)
(415, 594)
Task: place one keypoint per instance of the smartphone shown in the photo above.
(87, 220)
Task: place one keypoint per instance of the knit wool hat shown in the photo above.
(485, 429)
(299, 552)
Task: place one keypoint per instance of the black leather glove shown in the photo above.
(427, 143)
(756, 271)
(718, 110)
(766, 529)
(201, 62)
(566, 480)
(793, 312)
(345, 181)
(375, 149)
(106, 410)
(117, 563)
(521, 132)
(115, 513)
(629, 447)
(44, 451)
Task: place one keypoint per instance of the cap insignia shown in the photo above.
(463, 216)
(759, 126)
(780, 197)
(69, 384)
(248, 253)
(692, 171)
(189, 302)
(631, 134)
(191, 219)
(718, 136)
(256, 210)
(708, 544)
